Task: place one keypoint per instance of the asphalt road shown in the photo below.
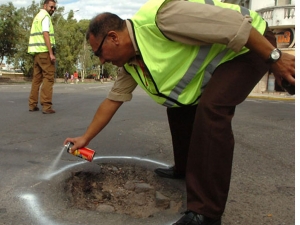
(31, 189)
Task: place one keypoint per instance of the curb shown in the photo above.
(253, 96)
(287, 98)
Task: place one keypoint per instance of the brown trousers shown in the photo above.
(43, 73)
(202, 136)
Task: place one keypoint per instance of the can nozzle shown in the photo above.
(85, 153)
(68, 146)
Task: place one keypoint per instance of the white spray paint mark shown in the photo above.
(55, 162)
(36, 210)
(49, 175)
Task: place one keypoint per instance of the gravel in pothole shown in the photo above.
(124, 189)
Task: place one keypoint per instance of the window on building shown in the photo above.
(283, 2)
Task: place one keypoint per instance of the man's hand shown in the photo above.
(79, 142)
(52, 58)
(103, 115)
(284, 68)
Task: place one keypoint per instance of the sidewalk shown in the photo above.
(273, 95)
(265, 95)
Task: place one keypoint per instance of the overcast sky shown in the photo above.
(89, 8)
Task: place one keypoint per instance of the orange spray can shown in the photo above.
(84, 153)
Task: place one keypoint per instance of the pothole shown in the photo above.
(124, 189)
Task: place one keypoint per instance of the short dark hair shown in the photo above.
(47, 1)
(104, 22)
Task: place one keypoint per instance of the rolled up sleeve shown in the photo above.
(123, 87)
(202, 24)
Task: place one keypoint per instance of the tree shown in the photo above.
(9, 32)
(69, 36)
(86, 61)
(111, 70)
(72, 51)
(22, 59)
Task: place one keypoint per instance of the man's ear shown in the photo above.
(114, 36)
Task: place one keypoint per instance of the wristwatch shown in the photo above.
(274, 55)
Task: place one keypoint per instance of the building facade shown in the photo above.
(280, 16)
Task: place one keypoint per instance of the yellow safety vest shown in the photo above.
(178, 73)
(36, 40)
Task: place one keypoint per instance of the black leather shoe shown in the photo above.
(169, 173)
(191, 218)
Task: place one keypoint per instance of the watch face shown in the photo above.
(275, 55)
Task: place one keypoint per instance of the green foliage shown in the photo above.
(72, 51)
(22, 60)
(111, 70)
(9, 31)
(69, 36)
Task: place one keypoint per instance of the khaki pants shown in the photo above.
(43, 77)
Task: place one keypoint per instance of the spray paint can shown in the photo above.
(84, 153)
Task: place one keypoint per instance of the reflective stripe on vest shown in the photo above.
(181, 82)
(37, 34)
(189, 75)
(198, 60)
(36, 39)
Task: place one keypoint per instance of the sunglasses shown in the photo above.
(99, 50)
(53, 7)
